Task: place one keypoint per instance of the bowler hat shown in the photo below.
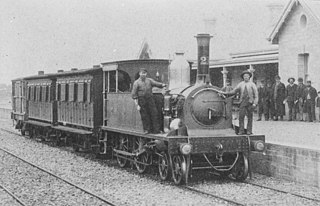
(292, 79)
(246, 72)
(300, 79)
(277, 77)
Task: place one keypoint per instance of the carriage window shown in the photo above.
(34, 93)
(88, 96)
(80, 92)
(47, 94)
(29, 93)
(67, 93)
(39, 93)
(71, 92)
(58, 92)
(63, 92)
(112, 81)
(43, 93)
(124, 81)
(75, 92)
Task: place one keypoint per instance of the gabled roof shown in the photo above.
(312, 7)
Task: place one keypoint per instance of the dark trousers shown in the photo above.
(159, 101)
(263, 109)
(310, 106)
(245, 109)
(292, 110)
(279, 108)
(149, 114)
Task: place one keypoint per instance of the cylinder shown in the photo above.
(203, 41)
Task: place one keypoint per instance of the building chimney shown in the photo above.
(203, 58)
(60, 70)
(40, 72)
(275, 10)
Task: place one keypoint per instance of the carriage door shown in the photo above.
(110, 85)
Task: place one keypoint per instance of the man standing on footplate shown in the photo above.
(248, 101)
(143, 98)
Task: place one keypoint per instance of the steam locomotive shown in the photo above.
(92, 109)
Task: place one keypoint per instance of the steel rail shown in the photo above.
(282, 191)
(13, 195)
(212, 195)
(58, 177)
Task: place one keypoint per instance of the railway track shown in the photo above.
(108, 202)
(230, 201)
(282, 191)
(233, 202)
(13, 195)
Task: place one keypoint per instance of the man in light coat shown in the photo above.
(248, 101)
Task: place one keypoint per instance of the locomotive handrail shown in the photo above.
(205, 89)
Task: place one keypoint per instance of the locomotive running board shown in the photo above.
(135, 133)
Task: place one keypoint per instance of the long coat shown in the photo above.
(279, 96)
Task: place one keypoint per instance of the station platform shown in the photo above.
(290, 133)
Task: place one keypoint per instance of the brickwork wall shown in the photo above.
(290, 163)
(294, 40)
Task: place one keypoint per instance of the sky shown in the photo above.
(63, 34)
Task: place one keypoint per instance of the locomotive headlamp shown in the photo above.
(258, 145)
(185, 148)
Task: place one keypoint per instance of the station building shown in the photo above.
(293, 51)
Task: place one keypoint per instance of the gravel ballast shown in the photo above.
(129, 188)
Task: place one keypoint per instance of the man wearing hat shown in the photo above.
(248, 100)
(299, 99)
(279, 96)
(142, 95)
(291, 91)
(309, 96)
(263, 101)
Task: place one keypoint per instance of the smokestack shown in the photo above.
(203, 58)
(40, 72)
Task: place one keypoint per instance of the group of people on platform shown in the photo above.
(302, 100)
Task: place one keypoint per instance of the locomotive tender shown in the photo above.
(92, 109)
